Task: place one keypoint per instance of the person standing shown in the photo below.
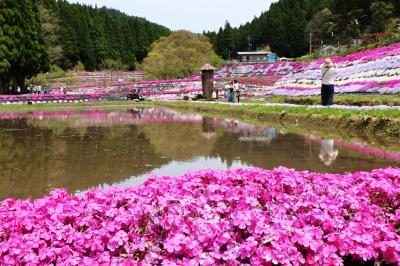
(236, 88)
(328, 72)
(229, 92)
(231, 95)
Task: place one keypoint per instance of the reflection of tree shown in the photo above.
(179, 141)
(23, 158)
(32, 159)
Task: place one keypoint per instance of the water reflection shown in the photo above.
(328, 153)
(83, 149)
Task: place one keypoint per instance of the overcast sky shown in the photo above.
(193, 15)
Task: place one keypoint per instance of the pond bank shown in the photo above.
(371, 122)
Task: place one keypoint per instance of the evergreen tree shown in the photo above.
(50, 29)
(285, 27)
(23, 52)
(227, 41)
(92, 35)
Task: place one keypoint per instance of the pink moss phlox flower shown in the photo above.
(241, 217)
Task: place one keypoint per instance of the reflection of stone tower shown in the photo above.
(208, 124)
(208, 127)
(207, 81)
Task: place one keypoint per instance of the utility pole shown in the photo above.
(357, 31)
(249, 44)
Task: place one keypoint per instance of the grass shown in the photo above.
(296, 110)
(256, 108)
(340, 99)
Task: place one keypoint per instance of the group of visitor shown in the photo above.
(135, 94)
(232, 92)
(328, 70)
(37, 89)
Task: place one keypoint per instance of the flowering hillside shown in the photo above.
(371, 71)
(241, 217)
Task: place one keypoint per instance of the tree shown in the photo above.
(92, 35)
(227, 41)
(182, 52)
(50, 29)
(110, 64)
(322, 26)
(23, 51)
(381, 11)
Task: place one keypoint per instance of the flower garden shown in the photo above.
(50, 98)
(371, 71)
(240, 217)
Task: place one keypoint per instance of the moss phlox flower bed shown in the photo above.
(241, 217)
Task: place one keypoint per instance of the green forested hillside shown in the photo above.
(96, 36)
(285, 27)
(37, 34)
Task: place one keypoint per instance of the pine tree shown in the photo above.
(24, 50)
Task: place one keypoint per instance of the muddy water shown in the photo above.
(79, 150)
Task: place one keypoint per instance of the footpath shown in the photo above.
(343, 107)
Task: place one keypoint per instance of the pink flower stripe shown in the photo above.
(368, 84)
(83, 86)
(366, 56)
(241, 217)
(49, 97)
(146, 115)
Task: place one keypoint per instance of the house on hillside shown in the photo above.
(256, 57)
(328, 50)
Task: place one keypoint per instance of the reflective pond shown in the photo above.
(79, 150)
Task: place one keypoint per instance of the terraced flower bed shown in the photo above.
(375, 71)
(45, 98)
(241, 217)
(371, 71)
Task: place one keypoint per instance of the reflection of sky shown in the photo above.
(178, 168)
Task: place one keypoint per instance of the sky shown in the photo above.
(192, 15)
